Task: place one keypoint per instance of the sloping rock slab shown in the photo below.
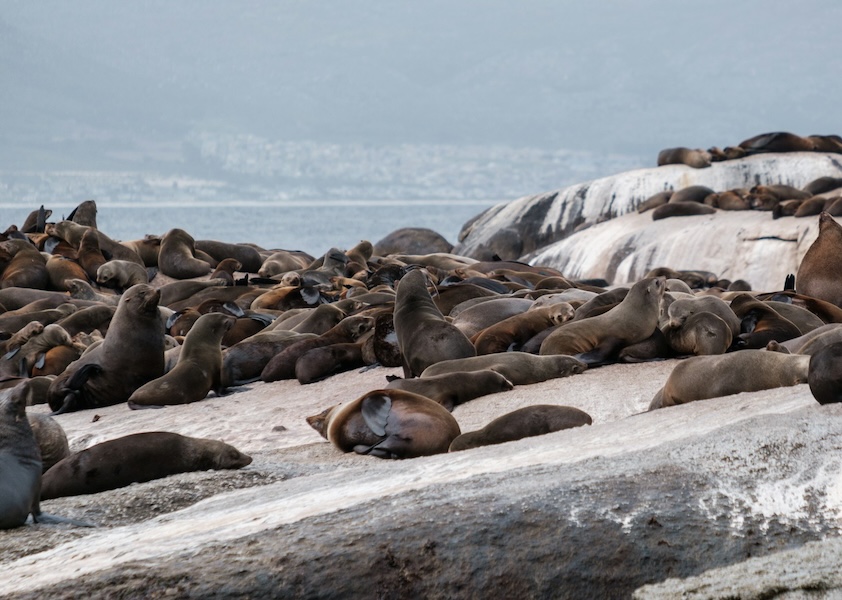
(521, 227)
(746, 245)
(592, 512)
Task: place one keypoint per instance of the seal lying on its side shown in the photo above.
(134, 459)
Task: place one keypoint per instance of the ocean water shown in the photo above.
(311, 226)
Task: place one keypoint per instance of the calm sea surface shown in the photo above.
(312, 226)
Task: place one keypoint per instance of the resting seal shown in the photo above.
(424, 336)
(453, 389)
(538, 419)
(177, 256)
(521, 368)
(388, 424)
(134, 459)
(515, 331)
(698, 159)
(52, 441)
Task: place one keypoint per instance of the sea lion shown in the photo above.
(388, 424)
(131, 354)
(424, 336)
(198, 371)
(824, 374)
(121, 274)
(282, 365)
(134, 459)
(177, 257)
(453, 389)
(89, 256)
(52, 441)
(600, 337)
(512, 333)
(703, 377)
(538, 419)
(822, 185)
(520, 368)
(698, 159)
(681, 209)
(820, 273)
(20, 462)
(691, 193)
(654, 201)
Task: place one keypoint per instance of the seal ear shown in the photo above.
(375, 409)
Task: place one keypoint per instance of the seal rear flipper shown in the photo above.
(78, 379)
(68, 404)
(134, 406)
(376, 450)
(375, 410)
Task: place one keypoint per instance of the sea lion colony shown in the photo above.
(316, 316)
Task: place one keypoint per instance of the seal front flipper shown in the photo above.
(81, 376)
(46, 519)
(375, 411)
(605, 353)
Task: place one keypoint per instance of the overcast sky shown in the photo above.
(606, 76)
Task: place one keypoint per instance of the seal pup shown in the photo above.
(512, 333)
(820, 273)
(601, 337)
(521, 368)
(131, 354)
(424, 336)
(538, 419)
(134, 459)
(198, 370)
(243, 362)
(121, 274)
(703, 377)
(452, 389)
(388, 424)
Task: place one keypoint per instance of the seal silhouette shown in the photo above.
(134, 459)
(131, 354)
(538, 419)
(424, 336)
(388, 424)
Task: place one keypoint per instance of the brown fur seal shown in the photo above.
(820, 272)
(822, 185)
(73, 233)
(812, 342)
(247, 255)
(147, 249)
(388, 424)
(134, 459)
(681, 209)
(412, 240)
(87, 319)
(52, 441)
(631, 321)
(825, 374)
(318, 363)
(84, 214)
(198, 370)
(760, 323)
(520, 368)
(529, 421)
(702, 333)
(487, 312)
(681, 309)
(282, 365)
(177, 257)
(60, 270)
(691, 193)
(284, 261)
(698, 159)
(121, 274)
(243, 362)
(89, 255)
(778, 141)
(512, 333)
(225, 270)
(424, 336)
(703, 377)
(27, 267)
(729, 200)
(385, 341)
(654, 201)
(131, 354)
(453, 389)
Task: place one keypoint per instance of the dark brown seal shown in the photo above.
(820, 272)
(20, 462)
(134, 459)
(388, 424)
(131, 354)
(681, 209)
(27, 267)
(89, 255)
(825, 374)
(121, 274)
(538, 419)
(696, 158)
(778, 141)
(198, 371)
(52, 441)
(424, 336)
(177, 257)
(453, 389)
(243, 362)
(318, 363)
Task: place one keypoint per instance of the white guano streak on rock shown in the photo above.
(241, 513)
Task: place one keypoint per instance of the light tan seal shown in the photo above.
(137, 458)
(521, 368)
(198, 371)
(538, 419)
(703, 377)
(121, 274)
(424, 336)
(388, 424)
(631, 321)
(510, 334)
(696, 158)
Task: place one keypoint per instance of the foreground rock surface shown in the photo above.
(591, 512)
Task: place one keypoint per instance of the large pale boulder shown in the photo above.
(514, 229)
